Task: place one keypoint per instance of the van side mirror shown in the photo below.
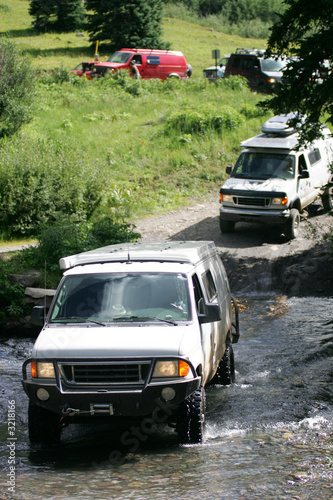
(304, 174)
(212, 313)
(228, 169)
(38, 315)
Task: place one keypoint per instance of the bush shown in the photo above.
(16, 89)
(68, 239)
(45, 183)
(208, 119)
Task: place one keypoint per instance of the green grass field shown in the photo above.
(52, 50)
(126, 137)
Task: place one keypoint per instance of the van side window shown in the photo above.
(209, 285)
(155, 60)
(301, 164)
(137, 58)
(314, 156)
(197, 291)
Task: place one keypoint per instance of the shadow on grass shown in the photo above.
(73, 52)
(19, 33)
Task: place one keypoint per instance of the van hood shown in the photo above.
(111, 65)
(123, 341)
(273, 184)
(274, 74)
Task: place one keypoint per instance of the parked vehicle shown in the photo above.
(134, 331)
(214, 73)
(161, 64)
(262, 73)
(273, 182)
(84, 69)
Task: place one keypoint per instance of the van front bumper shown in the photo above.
(122, 400)
(276, 217)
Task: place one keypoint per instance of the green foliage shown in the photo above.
(45, 182)
(247, 18)
(132, 23)
(305, 32)
(57, 15)
(68, 239)
(209, 118)
(11, 296)
(16, 89)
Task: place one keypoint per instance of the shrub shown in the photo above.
(208, 119)
(16, 88)
(71, 238)
(45, 182)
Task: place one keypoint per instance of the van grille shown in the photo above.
(105, 373)
(251, 201)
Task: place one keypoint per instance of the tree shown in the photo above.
(16, 88)
(58, 15)
(304, 33)
(132, 23)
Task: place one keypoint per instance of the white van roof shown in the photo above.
(277, 134)
(271, 141)
(171, 251)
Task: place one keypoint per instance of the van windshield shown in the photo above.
(122, 297)
(264, 166)
(119, 57)
(271, 65)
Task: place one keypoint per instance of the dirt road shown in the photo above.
(257, 258)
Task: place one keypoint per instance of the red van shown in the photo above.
(150, 63)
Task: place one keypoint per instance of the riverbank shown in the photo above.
(257, 259)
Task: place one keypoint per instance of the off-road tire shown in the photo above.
(191, 418)
(292, 226)
(43, 425)
(327, 199)
(225, 374)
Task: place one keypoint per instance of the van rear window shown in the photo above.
(153, 60)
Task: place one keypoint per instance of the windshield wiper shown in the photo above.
(82, 320)
(145, 317)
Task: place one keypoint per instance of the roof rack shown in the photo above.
(171, 251)
(254, 52)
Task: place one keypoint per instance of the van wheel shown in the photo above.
(43, 425)
(191, 418)
(225, 374)
(292, 226)
(226, 226)
(327, 199)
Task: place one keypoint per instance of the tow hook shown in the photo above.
(67, 412)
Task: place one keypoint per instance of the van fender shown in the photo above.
(174, 75)
(296, 203)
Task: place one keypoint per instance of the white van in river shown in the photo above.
(135, 330)
(272, 182)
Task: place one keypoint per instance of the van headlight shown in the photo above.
(226, 198)
(41, 369)
(280, 201)
(171, 369)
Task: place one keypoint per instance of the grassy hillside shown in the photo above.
(118, 145)
(52, 50)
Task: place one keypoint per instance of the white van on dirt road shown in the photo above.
(273, 182)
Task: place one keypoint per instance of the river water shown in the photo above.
(268, 436)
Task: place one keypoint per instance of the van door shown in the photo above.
(152, 68)
(205, 291)
(304, 188)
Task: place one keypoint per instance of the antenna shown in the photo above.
(44, 293)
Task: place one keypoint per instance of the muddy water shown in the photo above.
(269, 436)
